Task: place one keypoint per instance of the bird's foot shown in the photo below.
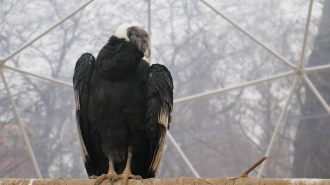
(127, 175)
(112, 178)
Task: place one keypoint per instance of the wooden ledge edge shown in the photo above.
(172, 181)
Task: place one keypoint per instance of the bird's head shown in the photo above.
(137, 36)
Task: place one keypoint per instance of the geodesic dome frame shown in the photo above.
(299, 71)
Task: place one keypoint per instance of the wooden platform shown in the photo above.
(173, 181)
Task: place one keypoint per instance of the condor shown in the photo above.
(123, 108)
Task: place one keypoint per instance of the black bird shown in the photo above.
(123, 108)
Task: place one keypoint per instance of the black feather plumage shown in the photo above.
(159, 105)
(122, 104)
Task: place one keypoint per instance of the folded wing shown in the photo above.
(81, 83)
(159, 105)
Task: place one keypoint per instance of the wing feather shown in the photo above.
(81, 82)
(159, 105)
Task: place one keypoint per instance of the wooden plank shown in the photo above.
(173, 181)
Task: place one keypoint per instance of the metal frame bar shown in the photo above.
(278, 124)
(316, 92)
(250, 36)
(38, 76)
(317, 68)
(202, 95)
(44, 33)
(18, 118)
(183, 156)
(306, 34)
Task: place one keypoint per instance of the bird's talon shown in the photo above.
(93, 177)
(136, 177)
(112, 178)
(127, 175)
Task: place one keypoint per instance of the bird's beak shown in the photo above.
(146, 52)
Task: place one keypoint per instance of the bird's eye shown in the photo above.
(138, 35)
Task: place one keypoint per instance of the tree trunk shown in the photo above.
(312, 146)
